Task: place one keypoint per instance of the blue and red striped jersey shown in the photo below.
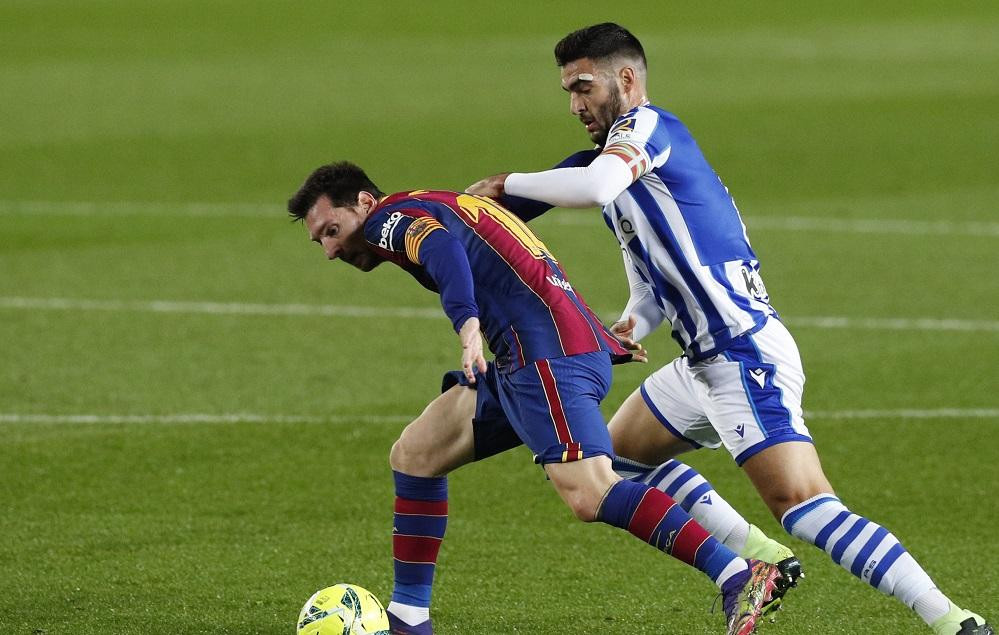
(485, 261)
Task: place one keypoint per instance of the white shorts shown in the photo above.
(747, 397)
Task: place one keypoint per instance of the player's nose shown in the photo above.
(576, 105)
(331, 248)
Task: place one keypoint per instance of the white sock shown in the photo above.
(865, 549)
(736, 566)
(931, 606)
(696, 496)
(408, 613)
(736, 540)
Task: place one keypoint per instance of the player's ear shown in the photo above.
(366, 201)
(628, 77)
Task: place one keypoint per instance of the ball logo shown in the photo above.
(385, 242)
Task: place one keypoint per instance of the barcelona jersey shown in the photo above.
(486, 263)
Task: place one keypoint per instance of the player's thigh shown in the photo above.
(638, 434)
(491, 428)
(752, 392)
(582, 484)
(441, 439)
(663, 418)
(787, 474)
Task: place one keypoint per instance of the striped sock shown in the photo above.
(865, 549)
(656, 518)
(419, 524)
(695, 494)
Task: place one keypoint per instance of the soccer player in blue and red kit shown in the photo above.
(552, 368)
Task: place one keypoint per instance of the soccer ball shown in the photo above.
(343, 609)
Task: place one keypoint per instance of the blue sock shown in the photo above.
(419, 524)
(656, 518)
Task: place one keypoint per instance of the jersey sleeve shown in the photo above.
(398, 234)
(413, 238)
(640, 139)
(446, 262)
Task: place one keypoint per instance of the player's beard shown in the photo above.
(608, 114)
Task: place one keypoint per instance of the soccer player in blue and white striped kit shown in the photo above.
(689, 262)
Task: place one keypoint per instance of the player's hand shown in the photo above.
(491, 186)
(623, 330)
(471, 349)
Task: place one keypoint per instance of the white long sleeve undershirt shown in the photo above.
(641, 303)
(595, 185)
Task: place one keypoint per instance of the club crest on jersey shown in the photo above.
(558, 282)
(385, 241)
(418, 226)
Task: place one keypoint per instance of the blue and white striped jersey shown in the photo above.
(684, 243)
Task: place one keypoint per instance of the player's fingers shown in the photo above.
(481, 361)
(466, 367)
(480, 188)
(629, 343)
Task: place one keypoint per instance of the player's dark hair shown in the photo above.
(341, 182)
(599, 42)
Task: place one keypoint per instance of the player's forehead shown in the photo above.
(579, 72)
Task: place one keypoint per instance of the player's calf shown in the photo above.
(583, 484)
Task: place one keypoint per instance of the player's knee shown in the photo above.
(411, 458)
(584, 510)
(584, 505)
(781, 501)
(397, 456)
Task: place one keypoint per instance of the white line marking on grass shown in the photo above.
(876, 226)
(333, 310)
(907, 413)
(218, 308)
(131, 208)
(893, 324)
(243, 417)
(782, 223)
(240, 417)
(834, 225)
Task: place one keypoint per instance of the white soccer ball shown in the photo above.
(343, 609)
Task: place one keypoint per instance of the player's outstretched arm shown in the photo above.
(525, 208)
(595, 185)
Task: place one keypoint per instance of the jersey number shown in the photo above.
(475, 206)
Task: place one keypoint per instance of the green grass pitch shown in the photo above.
(147, 275)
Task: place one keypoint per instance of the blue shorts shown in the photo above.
(551, 405)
